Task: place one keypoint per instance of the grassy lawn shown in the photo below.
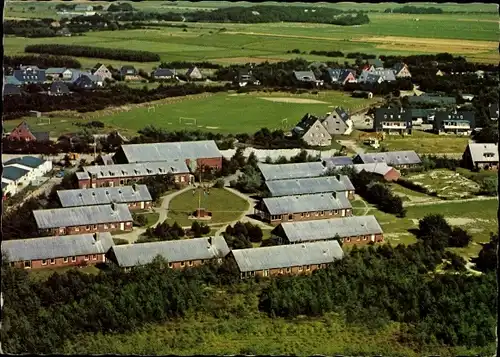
(447, 183)
(426, 143)
(241, 113)
(224, 205)
(151, 217)
(478, 217)
(408, 195)
(44, 274)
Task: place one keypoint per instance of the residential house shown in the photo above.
(377, 76)
(11, 89)
(67, 75)
(84, 82)
(55, 251)
(305, 186)
(194, 73)
(306, 77)
(59, 88)
(163, 73)
(276, 210)
(347, 230)
(54, 73)
(341, 76)
(35, 166)
(312, 132)
(245, 77)
(13, 180)
(30, 74)
(338, 122)
(374, 64)
(84, 219)
(135, 196)
(129, 73)
(204, 153)
(280, 260)
(84, 8)
(438, 101)
(493, 111)
(22, 132)
(180, 254)
(126, 174)
(420, 116)
(393, 121)
(271, 172)
(102, 71)
(459, 123)
(481, 156)
(398, 159)
(439, 73)
(401, 70)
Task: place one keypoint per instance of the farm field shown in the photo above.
(221, 112)
(472, 35)
(224, 205)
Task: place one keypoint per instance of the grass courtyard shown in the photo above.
(221, 112)
(446, 183)
(224, 205)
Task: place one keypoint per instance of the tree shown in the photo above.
(459, 238)
(432, 224)
(250, 181)
(487, 258)
(196, 229)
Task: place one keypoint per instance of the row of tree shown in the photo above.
(93, 52)
(415, 10)
(41, 61)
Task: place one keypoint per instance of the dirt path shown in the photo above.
(479, 198)
(352, 146)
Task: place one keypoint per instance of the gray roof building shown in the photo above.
(304, 76)
(291, 171)
(306, 203)
(283, 256)
(81, 216)
(104, 196)
(483, 152)
(168, 151)
(57, 247)
(392, 158)
(308, 231)
(310, 185)
(11, 89)
(173, 251)
(134, 170)
(337, 161)
(380, 168)
(312, 132)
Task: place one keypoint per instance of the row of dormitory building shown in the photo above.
(18, 173)
(304, 247)
(61, 79)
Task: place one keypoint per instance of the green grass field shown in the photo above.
(472, 35)
(222, 112)
(446, 183)
(44, 274)
(224, 205)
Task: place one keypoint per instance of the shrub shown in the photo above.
(219, 183)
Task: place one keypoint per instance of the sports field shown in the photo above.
(472, 35)
(221, 112)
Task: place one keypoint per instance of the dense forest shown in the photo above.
(30, 28)
(93, 52)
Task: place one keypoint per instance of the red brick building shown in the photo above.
(195, 154)
(348, 230)
(51, 252)
(135, 196)
(276, 210)
(180, 254)
(279, 260)
(86, 219)
(126, 174)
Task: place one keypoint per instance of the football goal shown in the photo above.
(187, 121)
(43, 120)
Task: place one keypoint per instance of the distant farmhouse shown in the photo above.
(338, 122)
(22, 132)
(341, 76)
(459, 123)
(481, 156)
(194, 73)
(163, 73)
(307, 77)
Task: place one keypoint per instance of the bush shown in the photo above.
(219, 183)
(120, 241)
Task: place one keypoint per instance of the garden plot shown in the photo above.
(446, 183)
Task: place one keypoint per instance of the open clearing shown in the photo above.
(446, 183)
(221, 112)
(224, 205)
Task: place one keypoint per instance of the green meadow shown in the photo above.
(221, 112)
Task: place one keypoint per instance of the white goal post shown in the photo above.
(187, 121)
(43, 120)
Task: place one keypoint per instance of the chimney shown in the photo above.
(113, 206)
(337, 176)
(325, 251)
(134, 187)
(334, 194)
(209, 242)
(303, 245)
(96, 238)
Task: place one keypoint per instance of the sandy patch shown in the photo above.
(292, 100)
(459, 221)
(212, 127)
